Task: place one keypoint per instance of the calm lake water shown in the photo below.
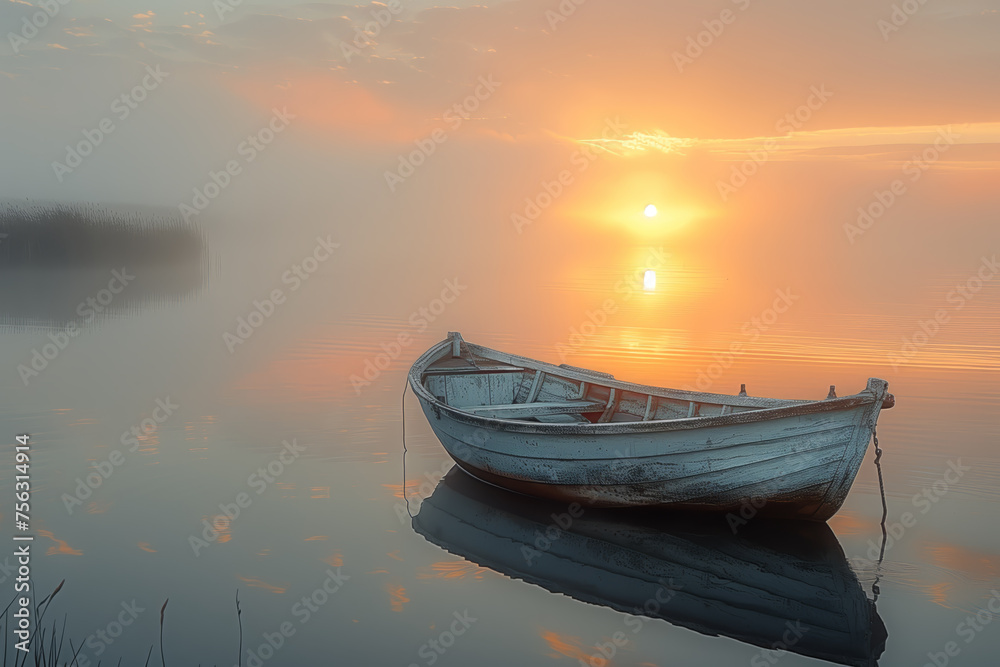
(300, 423)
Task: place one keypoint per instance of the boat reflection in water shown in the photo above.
(778, 586)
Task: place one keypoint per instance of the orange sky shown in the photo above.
(515, 144)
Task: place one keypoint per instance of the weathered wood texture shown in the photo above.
(640, 445)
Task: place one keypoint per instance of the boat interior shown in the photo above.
(493, 384)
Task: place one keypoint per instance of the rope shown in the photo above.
(881, 488)
(406, 498)
(472, 355)
(885, 512)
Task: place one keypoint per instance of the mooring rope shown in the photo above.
(885, 512)
(406, 498)
(881, 488)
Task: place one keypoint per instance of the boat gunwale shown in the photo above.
(785, 408)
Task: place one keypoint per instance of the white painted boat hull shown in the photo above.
(791, 459)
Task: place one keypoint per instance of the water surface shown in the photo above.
(331, 515)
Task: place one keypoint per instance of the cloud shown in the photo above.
(833, 144)
(365, 76)
(565, 77)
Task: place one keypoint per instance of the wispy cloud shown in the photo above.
(816, 144)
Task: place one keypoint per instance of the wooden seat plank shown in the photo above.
(523, 410)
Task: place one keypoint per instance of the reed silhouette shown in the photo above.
(93, 237)
(48, 643)
(53, 258)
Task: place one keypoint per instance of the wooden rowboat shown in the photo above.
(782, 586)
(572, 434)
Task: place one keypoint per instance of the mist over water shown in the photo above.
(227, 231)
(155, 524)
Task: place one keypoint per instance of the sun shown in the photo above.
(650, 210)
